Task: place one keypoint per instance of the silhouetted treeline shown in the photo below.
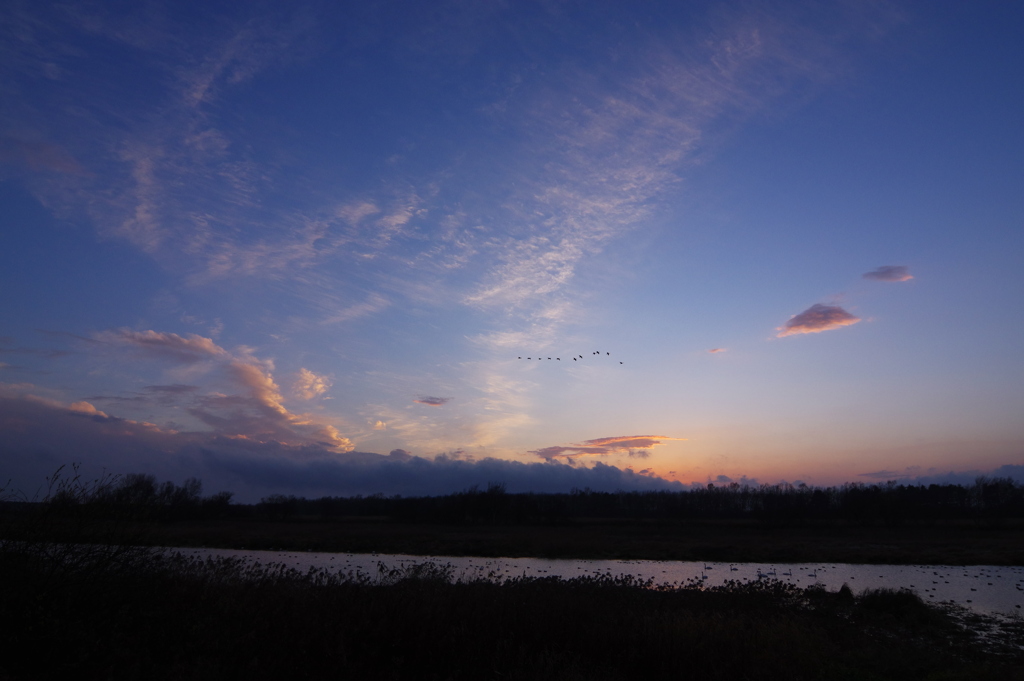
(988, 499)
(141, 497)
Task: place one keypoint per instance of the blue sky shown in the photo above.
(301, 246)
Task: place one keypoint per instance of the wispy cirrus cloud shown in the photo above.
(374, 303)
(38, 155)
(7, 347)
(176, 389)
(889, 273)
(295, 247)
(817, 318)
(602, 146)
(611, 143)
(164, 395)
(188, 348)
(169, 176)
(632, 445)
(257, 44)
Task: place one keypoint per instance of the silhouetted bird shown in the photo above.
(620, 362)
(559, 359)
(607, 353)
(574, 359)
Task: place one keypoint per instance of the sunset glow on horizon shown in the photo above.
(309, 248)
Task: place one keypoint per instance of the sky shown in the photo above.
(406, 248)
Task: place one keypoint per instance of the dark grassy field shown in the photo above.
(960, 543)
(134, 616)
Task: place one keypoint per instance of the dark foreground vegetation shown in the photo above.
(855, 523)
(88, 614)
(82, 600)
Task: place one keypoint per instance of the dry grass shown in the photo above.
(169, 617)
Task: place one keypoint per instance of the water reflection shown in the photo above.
(983, 588)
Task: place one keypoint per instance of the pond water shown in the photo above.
(985, 589)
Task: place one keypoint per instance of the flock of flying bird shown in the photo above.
(575, 357)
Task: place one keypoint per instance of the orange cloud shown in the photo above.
(817, 318)
(308, 385)
(714, 351)
(86, 408)
(260, 414)
(890, 273)
(633, 445)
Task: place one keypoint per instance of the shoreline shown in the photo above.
(954, 545)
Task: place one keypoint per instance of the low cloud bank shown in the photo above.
(37, 436)
(362, 473)
(934, 477)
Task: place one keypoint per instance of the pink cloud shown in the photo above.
(817, 318)
(633, 445)
(715, 351)
(889, 273)
(187, 348)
